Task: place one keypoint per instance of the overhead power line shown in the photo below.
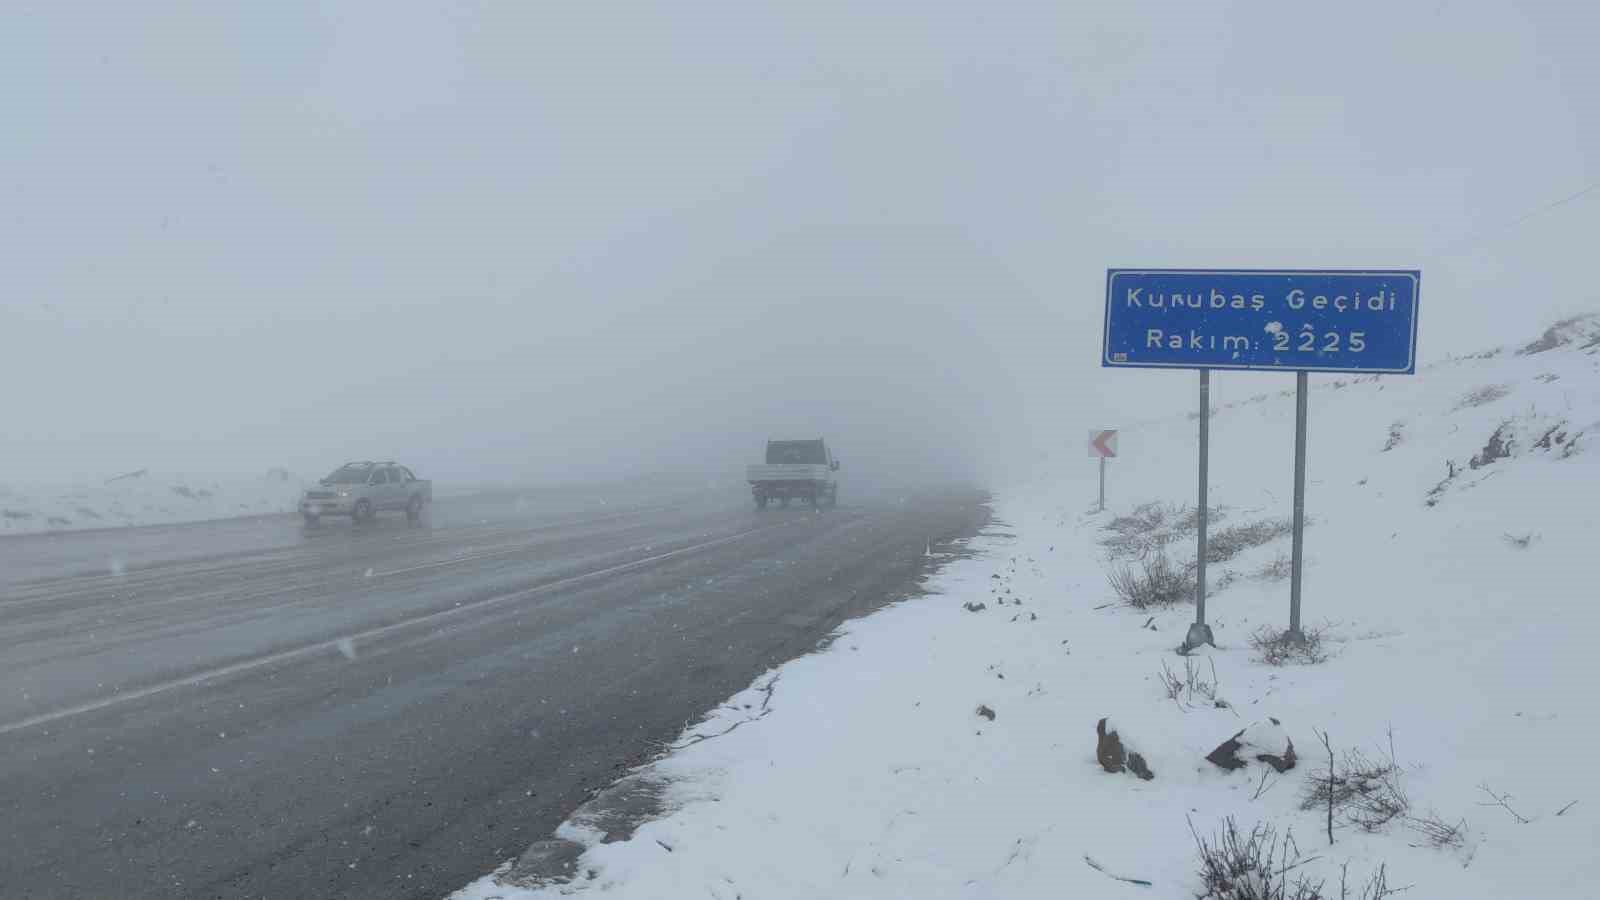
(1469, 240)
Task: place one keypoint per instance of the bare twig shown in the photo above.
(1378, 886)
(1172, 684)
(1278, 648)
(1263, 787)
(1102, 870)
(1504, 802)
(1328, 743)
(1567, 807)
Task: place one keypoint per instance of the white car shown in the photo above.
(362, 489)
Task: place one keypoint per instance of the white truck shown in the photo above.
(795, 470)
(361, 489)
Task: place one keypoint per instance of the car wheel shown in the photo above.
(362, 512)
(761, 502)
(414, 509)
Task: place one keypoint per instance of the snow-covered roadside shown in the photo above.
(144, 498)
(938, 749)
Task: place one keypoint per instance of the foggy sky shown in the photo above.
(523, 241)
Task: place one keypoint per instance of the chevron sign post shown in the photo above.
(1103, 444)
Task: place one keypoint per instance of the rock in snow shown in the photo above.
(1262, 741)
(1114, 757)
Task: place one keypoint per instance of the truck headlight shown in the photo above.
(344, 493)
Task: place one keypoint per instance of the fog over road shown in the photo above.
(253, 708)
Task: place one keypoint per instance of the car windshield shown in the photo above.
(351, 474)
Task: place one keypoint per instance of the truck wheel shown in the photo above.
(312, 520)
(761, 502)
(414, 509)
(784, 503)
(362, 512)
(833, 498)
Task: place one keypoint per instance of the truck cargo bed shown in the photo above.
(790, 472)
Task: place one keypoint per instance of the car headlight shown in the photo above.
(344, 493)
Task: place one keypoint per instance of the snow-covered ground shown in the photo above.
(144, 497)
(934, 751)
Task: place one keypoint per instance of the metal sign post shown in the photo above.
(1299, 503)
(1102, 484)
(1103, 444)
(1299, 320)
(1200, 632)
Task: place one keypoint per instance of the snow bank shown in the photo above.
(1446, 575)
(144, 498)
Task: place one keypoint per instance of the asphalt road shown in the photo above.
(259, 709)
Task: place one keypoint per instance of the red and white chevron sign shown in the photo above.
(1103, 443)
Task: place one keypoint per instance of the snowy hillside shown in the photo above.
(947, 746)
(143, 498)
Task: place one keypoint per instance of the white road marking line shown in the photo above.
(333, 644)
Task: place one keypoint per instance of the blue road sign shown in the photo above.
(1328, 321)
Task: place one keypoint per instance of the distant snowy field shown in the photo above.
(937, 752)
(144, 498)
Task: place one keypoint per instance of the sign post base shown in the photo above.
(1199, 635)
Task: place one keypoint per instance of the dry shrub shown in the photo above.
(1435, 832)
(1396, 436)
(1151, 581)
(1482, 396)
(1151, 516)
(1366, 792)
(1188, 520)
(1280, 648)
(1281, 567)
(1134, 544)
(1226, 543)
(1182, 689)
(1140, 532)
(1254, 866)
(1151, 526)
(1376, 888)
